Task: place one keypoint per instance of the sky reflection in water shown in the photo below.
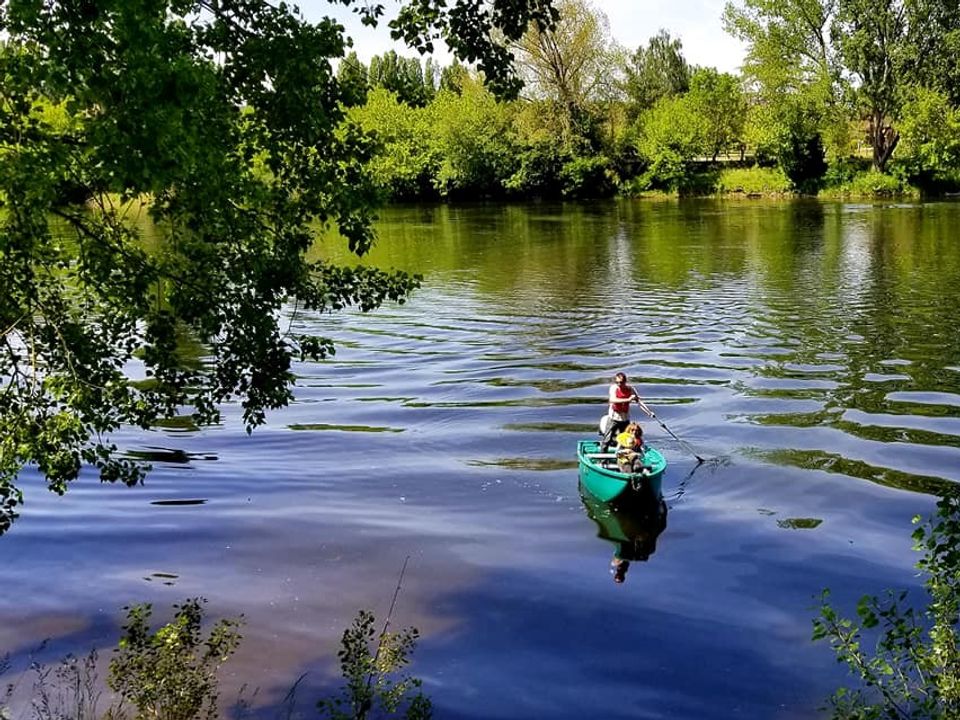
(808, 351)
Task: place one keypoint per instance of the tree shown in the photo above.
(930, 132)
(570, 64)
(719, 99)
(473, 140)
(871, 36)
(407, 160)
(172, 673)
(799, 149)
(430, 78)
(401, 76)
(873, 52)
(224, 121)
(670, 136)
(933, 47)
(788, 41)
(657, 71)
(352, 77)
(791, 61)
(452, 77)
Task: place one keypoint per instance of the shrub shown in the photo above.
(914, 670)
(171, 674)
(369, 661)
(587, 177)
(873, 184)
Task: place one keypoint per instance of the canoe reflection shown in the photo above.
(632, 522)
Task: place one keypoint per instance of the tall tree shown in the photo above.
(352, 76)
(791, 60)
(225, 120)
(872, 38)
(657, 71)
(569, 64)
(873, 51)
(788, 41)
(933, 46)
(453, 76)
(719, 99)
(430, 78)
(401, 76)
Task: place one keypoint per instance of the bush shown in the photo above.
(873, 184)
(914, 670)
(538, 170)
(171, 674)
(587, 177)
(803, 160)
(369, 662)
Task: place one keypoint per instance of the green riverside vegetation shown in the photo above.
(173, 673)
(853, 98)
(913, 671)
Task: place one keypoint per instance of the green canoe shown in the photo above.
(600, 476)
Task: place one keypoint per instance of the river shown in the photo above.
(808, 351)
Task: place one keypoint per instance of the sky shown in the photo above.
(632, 22)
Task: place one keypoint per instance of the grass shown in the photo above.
(871, 185)
(753, 181)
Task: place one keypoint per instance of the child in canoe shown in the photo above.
(630, 449)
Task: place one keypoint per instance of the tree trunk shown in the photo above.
(884, 139)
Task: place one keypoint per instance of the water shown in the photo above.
(809, 351)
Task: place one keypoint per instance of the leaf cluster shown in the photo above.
(913, 671)
(207, 142)
(369, 662)
(171, 673)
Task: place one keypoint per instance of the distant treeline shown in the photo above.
(854, 96)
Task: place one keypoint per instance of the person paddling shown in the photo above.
(619, 397)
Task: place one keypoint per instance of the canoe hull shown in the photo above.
(607, 483)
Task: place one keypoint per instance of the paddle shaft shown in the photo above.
(652, 414)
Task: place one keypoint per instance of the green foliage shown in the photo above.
(352, 76)
(871, 36)
(539, 164)
(718, 99)
(452, 77)
(670, 136)
(914, 670)
(401, 76)
(571, 65)
(930, 131)
(587, 177)
(788, 42)
(932, 49)
(656, 72)
(227, 123)
(475, 31)
(407, 160)
(370, 662)
(171, 674)
(755, 180)
(471, 136)
(800, 151)
(871, 184)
